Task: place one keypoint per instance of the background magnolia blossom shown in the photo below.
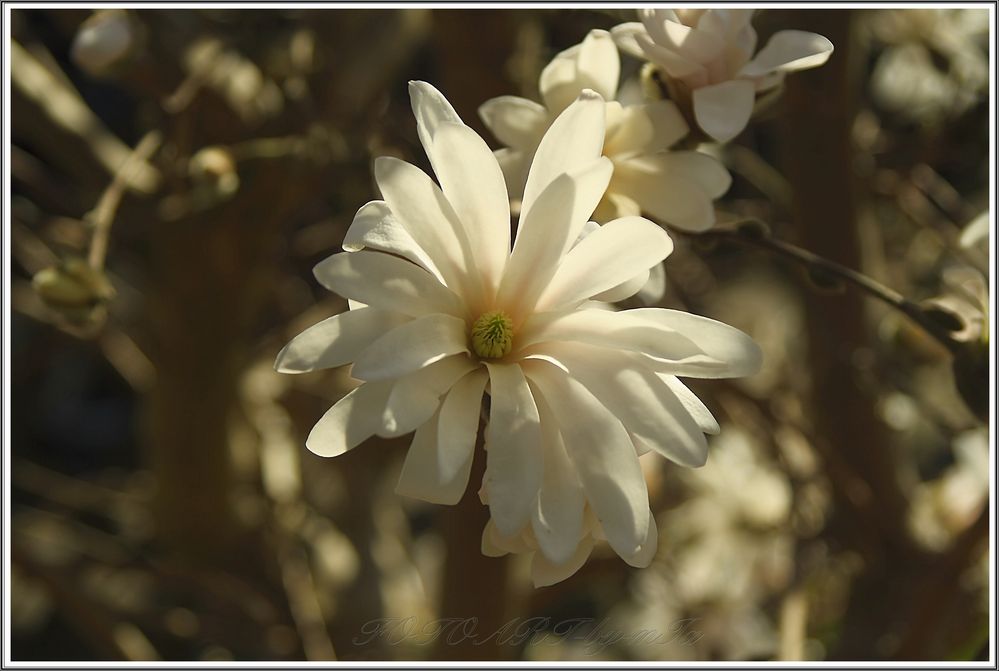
(706, 58)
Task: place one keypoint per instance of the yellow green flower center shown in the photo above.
(492, 335)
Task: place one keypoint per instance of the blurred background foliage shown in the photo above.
(164, 505)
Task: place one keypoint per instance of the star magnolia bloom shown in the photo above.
(674, 187)
(444, 311)
(706, 56)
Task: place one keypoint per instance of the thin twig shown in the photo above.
(102, 216)
(814, 262)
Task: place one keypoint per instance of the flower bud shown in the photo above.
(104, 41)
(73, 289)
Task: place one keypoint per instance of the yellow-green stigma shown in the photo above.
(492, 335)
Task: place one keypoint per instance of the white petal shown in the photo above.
(557, 519)
(641, 401)
(514, 460)
(627, 330)
(738, 354)
(495, 544)
(551, 226)
(723, 110)
(575, 138)
(376, 228)
(705, 171)
(692, 73)
(646, 129)
(650, 546)
(705, 420)
(473, 183)
(544, 572)
(653, 290)
(624, 36)
(352, 420)
(416, 397)
(335, 341)
(608, 257)
(699, 46)
(593, 64)
(386, 282)
(672, 197)
(514, 163)
(624, 290)
(410, 347)
(603, 455)
(516, 122)
(418, 203)
(439, 460)
(789, 50)
(431, 109)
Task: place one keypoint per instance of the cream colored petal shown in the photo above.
(592, 64)
(609, 256)
(723, 110)
(692, 73)
(705, 171)
(624, 36)
(557, 520)
(335, 341)
(376, 228)
(418, 203)
(416, 397)
(411, 347)
(575, 138)
(495, 544)
(735, 354)
(551, 226)
(693, 44)
(459, 425)
(705, 420)
(473, 183)
(787, 51)
(431, 109)
(518, 123)
(641, 401)
(352, 420)
(514, 458)
(624, 290)
(545, 573)
(421, 477)
(603, 455)
(646, 129)
(671, 198)
(514, 163)
(388, 283)
(655, 288)
(650, 546)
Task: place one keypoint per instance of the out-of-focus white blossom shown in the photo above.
(706, 59)
(444, 311)
(675, 187)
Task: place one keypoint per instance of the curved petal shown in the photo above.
(592, 64)
(551, 226)
(646, 129)
(473, 183)
(352, 420)
(495, 544)
(723, 110)
(386, 282)
(705, 420)
(439, 460)
(650, 546)
(335, 341)
(557, 520)
(624, 36)
(641, 401)
(626, 289)
(607, 257)
(415, 397)
(692, 73)
(787, 51)
(603, 455)
(411, 347)
(514, 461)
(516, 122)
(431, 109)
(418, 203)
(544, 572)
(737, 353)
(673, 199)
(575, 138)
(376, 228)
(706, 171)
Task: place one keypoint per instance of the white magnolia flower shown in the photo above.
(706, 57)
(674, 187)
(443, 311)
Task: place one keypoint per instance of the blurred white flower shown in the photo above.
(444, 311)
(706, 58)
(674, 187)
